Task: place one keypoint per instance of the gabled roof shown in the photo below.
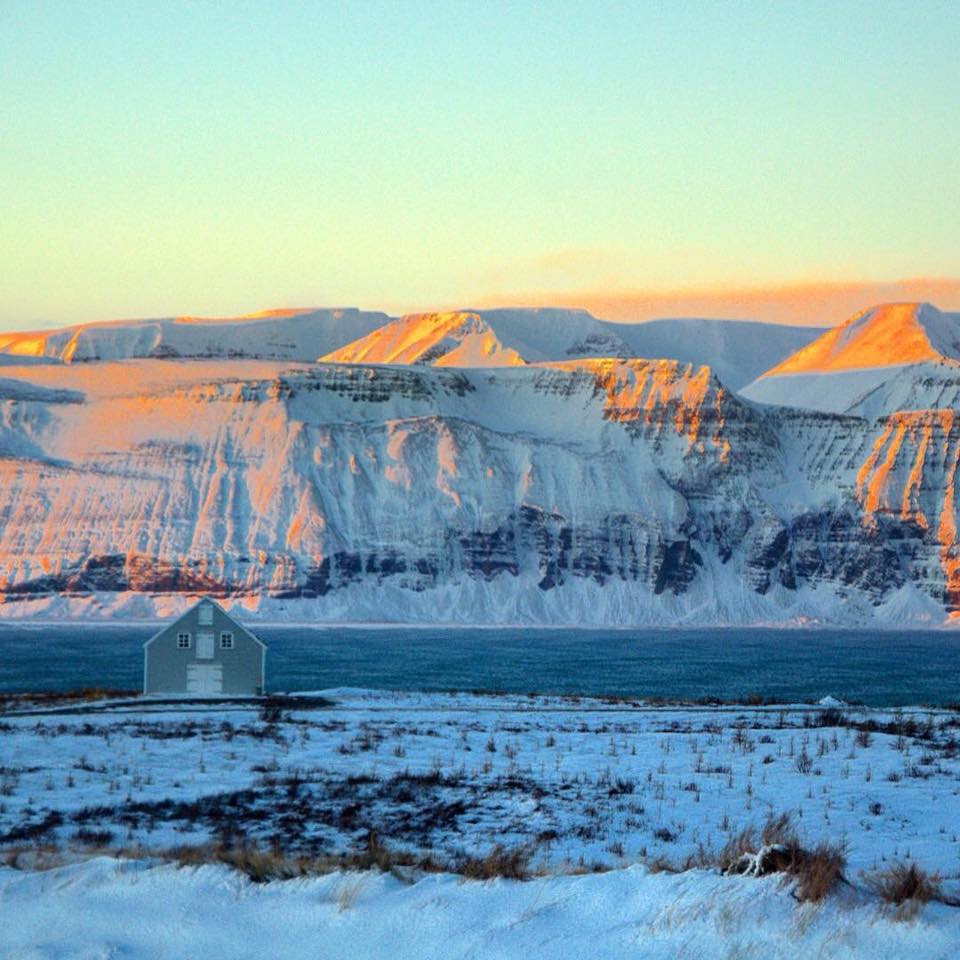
(214, 603)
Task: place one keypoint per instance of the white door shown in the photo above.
(204, 646)
(204, 678)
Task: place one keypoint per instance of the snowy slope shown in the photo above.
(737, 351)
(922, 386)
(885, 335)
(108, 907)
(892, 353)
(283, 334)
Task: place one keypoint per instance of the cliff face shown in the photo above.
(584, 491)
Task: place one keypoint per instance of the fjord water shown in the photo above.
(879, 668)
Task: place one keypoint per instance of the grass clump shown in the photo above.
(263, 864)
(820, 871)
(512, 863)
(906, 887)
(777, 849)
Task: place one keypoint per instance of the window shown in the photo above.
(206, 615)
(183, 641)
(226, 641)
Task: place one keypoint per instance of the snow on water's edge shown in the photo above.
(716, 600)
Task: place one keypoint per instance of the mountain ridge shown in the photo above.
(864, 356)
(738, 350)
(884, 335)
(581, 490)
(593, 490)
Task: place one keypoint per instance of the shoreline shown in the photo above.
(116, 623)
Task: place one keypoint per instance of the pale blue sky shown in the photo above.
(162, 158)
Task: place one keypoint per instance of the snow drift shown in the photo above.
(211, 912)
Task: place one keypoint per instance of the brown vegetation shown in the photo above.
(817, 870)
(511, 863)
(906, 887)
(262, 864)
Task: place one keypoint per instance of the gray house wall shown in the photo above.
(166, 666)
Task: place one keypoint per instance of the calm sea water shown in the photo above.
(880, 668)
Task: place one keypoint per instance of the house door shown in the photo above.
(205, 678)
(204, 646)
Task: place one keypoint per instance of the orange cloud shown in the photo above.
(816, 304)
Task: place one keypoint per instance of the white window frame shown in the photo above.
(205, 615)
(184, 636)
(226, 639)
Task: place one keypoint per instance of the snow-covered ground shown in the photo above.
(582, 784)
(116, 908)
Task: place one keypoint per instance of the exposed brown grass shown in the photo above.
(820, 871)
(264, 864)
(739, 844)
(817, 870)
(256, 863)
(703, 859)
(512, 863)
(46, 698)
(906, 887)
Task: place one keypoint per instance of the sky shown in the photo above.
(764, 160)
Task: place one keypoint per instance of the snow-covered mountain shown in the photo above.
(588, 490)
(282, 334)
(737, 351)
(879, 361)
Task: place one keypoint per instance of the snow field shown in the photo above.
(579, 783)
(597, 790)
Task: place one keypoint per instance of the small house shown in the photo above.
(205, 652)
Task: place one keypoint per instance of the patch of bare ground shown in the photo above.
(57, 698)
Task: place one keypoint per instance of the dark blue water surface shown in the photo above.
(881, 668)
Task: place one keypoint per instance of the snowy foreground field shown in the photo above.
(431, 825)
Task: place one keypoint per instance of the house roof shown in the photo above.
(214, 603)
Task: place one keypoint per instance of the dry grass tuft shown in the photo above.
(258, 864)
(663, 864)
(779, 850)
(739, 845)
(262, 865)
(819, 871)
(704, 858)
(511, 863)
(907, 887)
